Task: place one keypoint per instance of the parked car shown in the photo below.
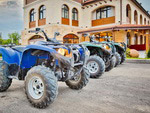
(43, 64)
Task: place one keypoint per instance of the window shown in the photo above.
(104, 12)
(128, 13)
(42, 12)
(32, 15)
(141, 19)
(65, 11)
(135, 17)
(74, 14)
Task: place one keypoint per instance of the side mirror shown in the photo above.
(85, 35)
(38, 29)
(57, 33)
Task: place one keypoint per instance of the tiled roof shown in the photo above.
(116, 27)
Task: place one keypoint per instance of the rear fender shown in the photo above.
(10, 56)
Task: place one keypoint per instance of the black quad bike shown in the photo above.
(120, 51)
(41, 65)
(101, 57)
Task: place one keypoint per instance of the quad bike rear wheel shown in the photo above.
(5, 82)
(96, 66)
(123, 58)
(41, 86)
(80, 80)
(118, 59)
(110, 65)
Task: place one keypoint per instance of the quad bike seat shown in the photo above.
(19, 48)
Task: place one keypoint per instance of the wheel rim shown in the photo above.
(76, 79)
(36, 87)
(93, 67)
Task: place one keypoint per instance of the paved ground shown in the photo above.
(142, 54)
(125, 89)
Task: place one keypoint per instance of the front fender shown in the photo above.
(10, 56)
(29, 60)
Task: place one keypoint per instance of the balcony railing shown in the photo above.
(32, 24)
(103, 21)
(42, 22)
(75, 23)
(65, 21)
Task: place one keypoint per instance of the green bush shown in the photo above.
(148, 54)
(128, 53)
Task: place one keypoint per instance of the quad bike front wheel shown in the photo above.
(123, 58)
(41, 86)
(5, 82)
(80, 80)
(96, 66)
(110, 65)
(118, 59)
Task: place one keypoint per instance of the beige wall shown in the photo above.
(53, 16)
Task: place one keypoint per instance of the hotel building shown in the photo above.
(122, 20)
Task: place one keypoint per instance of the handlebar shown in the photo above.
(37, 30)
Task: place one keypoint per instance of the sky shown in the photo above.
(11, 15)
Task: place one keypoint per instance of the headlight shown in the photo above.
(106, 47)
(87, 52)
(64, 52)
(121, 45)
(61, 51)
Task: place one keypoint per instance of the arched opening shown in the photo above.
(34, 39)
(135, 17)
(148, 22)
(141, 39)
(42, 12)
(128, 13)
(141, 19)
(42, 15)
(74, 17)
(144, 39)
(128, 39)
(32, 22)
(71, 39)
(65, 14)
(103, 15)
(32, 15)
(136, 39)
(145, 21)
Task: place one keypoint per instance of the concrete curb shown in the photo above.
(138, 61)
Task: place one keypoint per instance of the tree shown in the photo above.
(1, 40)
(14, 37)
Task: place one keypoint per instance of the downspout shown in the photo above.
(120, 12)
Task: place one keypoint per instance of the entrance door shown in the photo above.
(71, 39)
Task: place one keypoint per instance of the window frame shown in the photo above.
(32, 15)
(42, 12)
(102, 10)
(74, 14)
(65, 11)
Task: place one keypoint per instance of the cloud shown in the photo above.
(11, 16)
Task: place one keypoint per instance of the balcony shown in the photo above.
(65, 21)
(75, 23)
(32, 24)
(42, 22)
(29, 1)
(103, 21)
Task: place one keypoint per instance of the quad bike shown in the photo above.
(120, 51)
(101, 57)
(43, 64)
